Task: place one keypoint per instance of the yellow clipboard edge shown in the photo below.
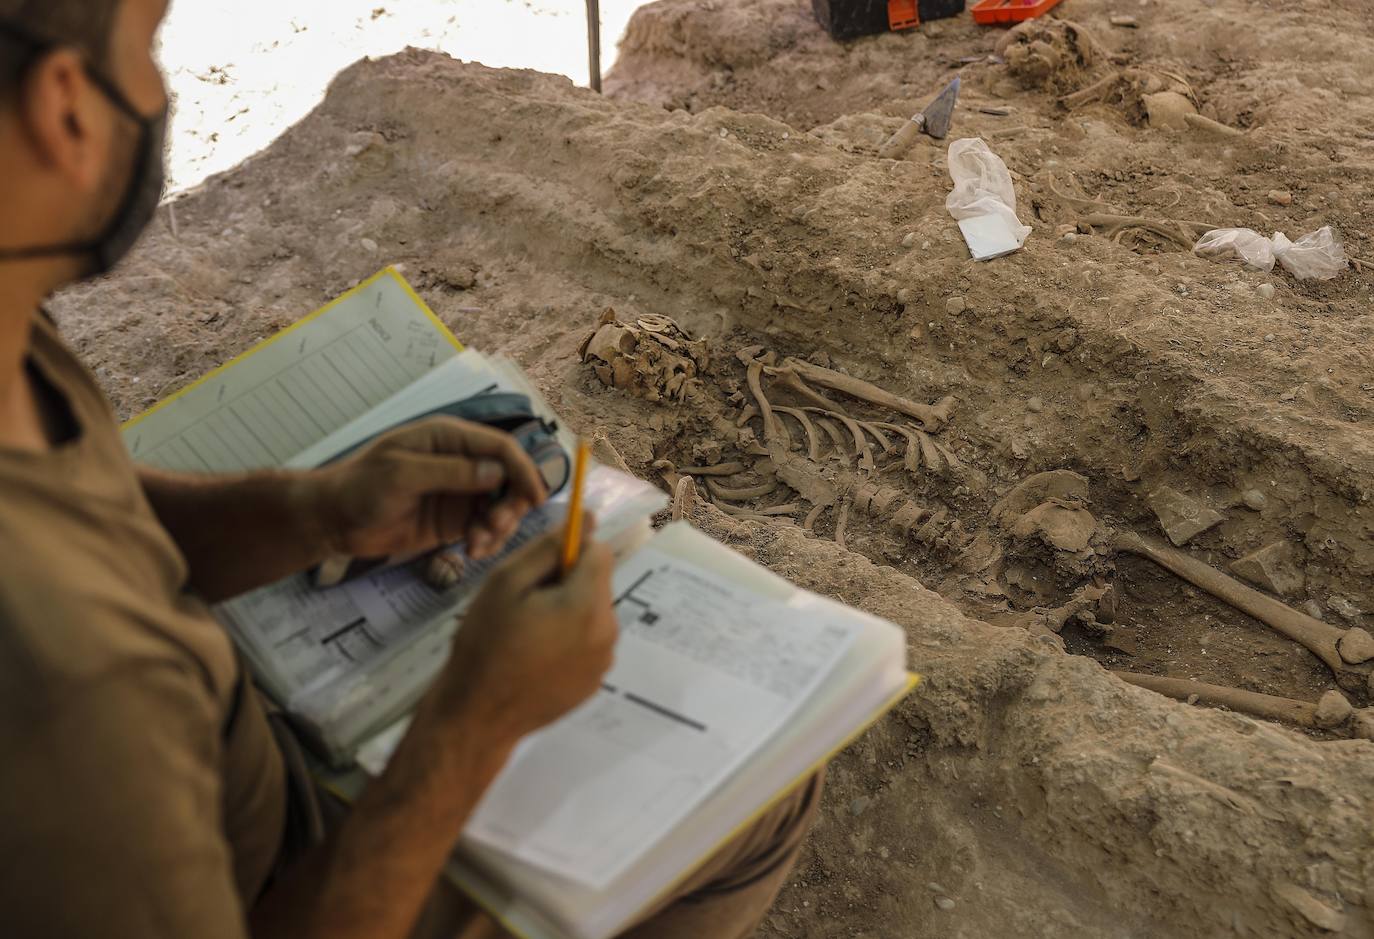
(388, 270)
(912, 680)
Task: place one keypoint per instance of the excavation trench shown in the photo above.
(1042, 794)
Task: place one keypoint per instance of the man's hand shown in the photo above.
(532, 647)
(422, 486)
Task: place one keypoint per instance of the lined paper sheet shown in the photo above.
(293, 391)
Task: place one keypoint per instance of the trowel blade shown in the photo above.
(939, 114)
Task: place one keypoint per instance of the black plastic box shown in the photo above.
(846, 19)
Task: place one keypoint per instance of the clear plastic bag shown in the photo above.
(1319, 255)
(983, 195)
(1237, 244)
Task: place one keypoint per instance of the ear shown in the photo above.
(61, 115)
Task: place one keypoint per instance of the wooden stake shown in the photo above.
(594, 43)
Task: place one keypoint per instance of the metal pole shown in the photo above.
(594, 43)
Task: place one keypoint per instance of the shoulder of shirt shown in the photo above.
(52, 642)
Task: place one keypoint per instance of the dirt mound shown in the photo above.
(1034, 790)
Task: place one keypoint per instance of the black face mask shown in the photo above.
(141, 192)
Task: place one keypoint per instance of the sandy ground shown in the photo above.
(729, 180)
(242, 72)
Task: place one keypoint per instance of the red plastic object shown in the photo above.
(1010, 11)
(902, 14)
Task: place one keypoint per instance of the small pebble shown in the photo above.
(858, 805)
(1266, 291)
(368, 245)
(1280, 197)
(944, 903)
(1069, 237)
(933, 887)
(955, 305)
(1312, 609)
(1035, 405)
(1344, 606)
(1254, 499)
(1124, 21)
(1269, 337)
(909, 240)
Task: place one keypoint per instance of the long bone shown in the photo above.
(791, 381)
(931, 417)
(1321, 639)
(1328, 714)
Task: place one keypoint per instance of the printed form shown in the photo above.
(306, 637)
(705, 672)
(320, 648)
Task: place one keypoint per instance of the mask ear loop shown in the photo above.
(38, 45)
(35, 46)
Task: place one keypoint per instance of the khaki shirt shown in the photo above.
(141, 792)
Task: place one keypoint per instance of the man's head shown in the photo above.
(81, 102)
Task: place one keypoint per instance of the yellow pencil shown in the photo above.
(572, 528)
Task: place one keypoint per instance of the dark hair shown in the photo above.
(29, 27)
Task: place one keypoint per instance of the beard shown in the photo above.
(113, 188)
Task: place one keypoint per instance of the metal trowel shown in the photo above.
(934, 120)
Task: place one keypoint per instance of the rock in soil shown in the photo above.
(1182, 517)
(1273, 567)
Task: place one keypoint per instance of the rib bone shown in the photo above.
(872, 430)
(684, 498)
(773, 429)
(861, 447)
(813, 443)
(912, 460)
(743, 494)
(720, 469)
(836, 438)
